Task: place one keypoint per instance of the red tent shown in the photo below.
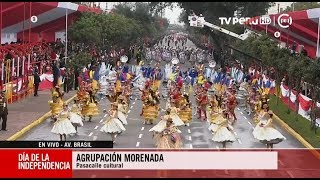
(51, 18)
(303, 29)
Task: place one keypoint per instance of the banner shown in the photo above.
(120, 163)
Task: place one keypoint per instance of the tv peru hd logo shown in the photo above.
(283, 21)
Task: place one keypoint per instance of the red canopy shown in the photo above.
(303, 29)
(16, 18)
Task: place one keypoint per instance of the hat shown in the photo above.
(65, 104)
(57, 86)
(270, 112)
(265, 106)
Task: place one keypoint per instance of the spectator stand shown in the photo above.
(17, 62)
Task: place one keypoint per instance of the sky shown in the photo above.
(173, 15)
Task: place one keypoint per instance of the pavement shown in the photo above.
(25, 111)
(295, 161)
(137, 134)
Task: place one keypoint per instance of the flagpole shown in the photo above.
(318, 37)
(66, 49)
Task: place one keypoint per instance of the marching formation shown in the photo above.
(214, 89)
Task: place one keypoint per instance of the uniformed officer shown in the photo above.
(3, 111)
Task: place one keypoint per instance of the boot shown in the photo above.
(199, 113)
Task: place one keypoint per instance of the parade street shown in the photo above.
(137, 135)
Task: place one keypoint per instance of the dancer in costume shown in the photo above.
(224, 132)
(56, 104)
(63, 125)
(169, 138)
(122, 110)
(185, 112)
(266, 133)
(151, 107)
(112, 125)
(75, 114)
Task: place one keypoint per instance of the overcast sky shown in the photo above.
(173, 15)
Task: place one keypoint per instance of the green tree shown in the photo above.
(299, 6)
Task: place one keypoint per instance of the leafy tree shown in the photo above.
(80, 60)
(299, 6)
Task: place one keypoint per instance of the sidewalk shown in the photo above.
(24, 112)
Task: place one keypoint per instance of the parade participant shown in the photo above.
(90, 107)
(202, 102)
(266, 133)
(112, 125)
(56, 104)
(169, 138)
(231, 104)
(185, 112)
(250, 100)
(151, 107)
(103, 87)
(193, 74)
(75, 115)
(122, 110)
(63, 125)
(157, 78)
(216, 117)
(158, 128)
(3, 111)
(224, 132)
(174, 115)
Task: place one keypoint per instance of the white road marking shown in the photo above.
(189, 131)
(241, 112)
(239, 141)
(131, 107)
(129, 111)
(191, 147)
(138, 143)
(140, 136)
(133, 102)
(245, 118)
(96, 127)
(136, 99)
(101, 120)
(190, 139)
(238, 109)
(90, 134)
(249, 123)
(95, 138)
(235, 133)
(105, 115)
(142, 128)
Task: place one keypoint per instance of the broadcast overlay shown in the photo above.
(160, 89)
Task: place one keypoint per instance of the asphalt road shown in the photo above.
(137, 135)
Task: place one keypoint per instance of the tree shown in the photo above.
(80, 60)
(299, 6)
(213, 10)
(105, 30)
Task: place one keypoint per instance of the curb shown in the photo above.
(297, 136)
(34, 123)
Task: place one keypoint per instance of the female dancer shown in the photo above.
(122, 110)
(174, 115)
(56, 104)
(224, 133)
(266, 133)
(112, 125)
(75, 115)
(169, 138)
(63, 125)
(151, 107)
(186, 112)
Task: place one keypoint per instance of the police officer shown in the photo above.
(3, 111)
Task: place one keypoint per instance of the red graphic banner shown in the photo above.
(36, 163)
